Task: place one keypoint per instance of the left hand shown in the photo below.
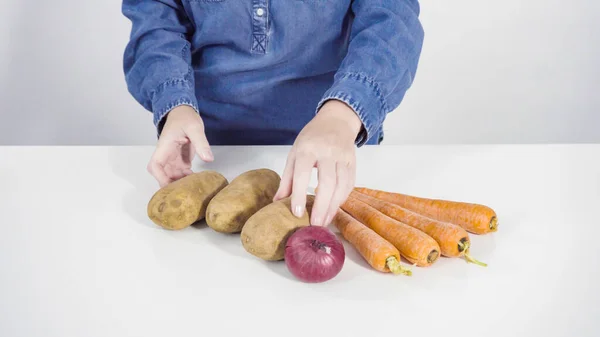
(327, 142)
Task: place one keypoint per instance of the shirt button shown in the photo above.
(260, 12)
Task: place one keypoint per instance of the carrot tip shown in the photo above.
(395, 267)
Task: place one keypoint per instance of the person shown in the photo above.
(319, 75)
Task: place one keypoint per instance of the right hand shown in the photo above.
(182, 136)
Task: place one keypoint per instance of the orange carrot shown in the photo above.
(416, 246)
(475, 218)
(453, 240)
(377, 251)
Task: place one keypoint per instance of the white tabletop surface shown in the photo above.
(79, 257)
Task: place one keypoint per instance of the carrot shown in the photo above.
(416, 246)
(453, 240)
(475, 218)
(377, 251)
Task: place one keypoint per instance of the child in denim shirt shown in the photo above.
(320, 75)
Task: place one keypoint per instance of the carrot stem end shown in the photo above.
(494, 224)
(470, 259)
(395, 267)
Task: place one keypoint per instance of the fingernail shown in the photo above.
(298, 211)
(317, 222)
(207, 155)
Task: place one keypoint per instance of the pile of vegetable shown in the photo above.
(382, 226)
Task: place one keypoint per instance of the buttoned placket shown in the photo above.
(260, 26)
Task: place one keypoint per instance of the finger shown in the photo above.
(285, 185)
(180, 168)
(200, 143)
(327, 185)
(344, 185)
(187, 153)
(157, 171)
(156, 167)
(177, 174)
(169, 170)
(303, 166)
(180, 162)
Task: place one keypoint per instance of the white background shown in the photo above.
(513, 71)
(79, 256)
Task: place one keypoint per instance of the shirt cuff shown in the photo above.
(169, 95)
(363, 95)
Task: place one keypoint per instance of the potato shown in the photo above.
(229, 210)
(264, 235)
(184, 201)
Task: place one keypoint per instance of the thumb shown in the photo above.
(198, 139)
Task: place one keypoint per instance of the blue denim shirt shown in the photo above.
(258, 70)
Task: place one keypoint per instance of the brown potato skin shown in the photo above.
(184, 201)
(266, 232)
(229, 210)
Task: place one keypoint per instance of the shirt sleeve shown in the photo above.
(157, 57)
(383, 53)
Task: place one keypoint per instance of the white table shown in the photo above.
(79, 257)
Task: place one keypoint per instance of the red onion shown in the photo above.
(314, 254)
